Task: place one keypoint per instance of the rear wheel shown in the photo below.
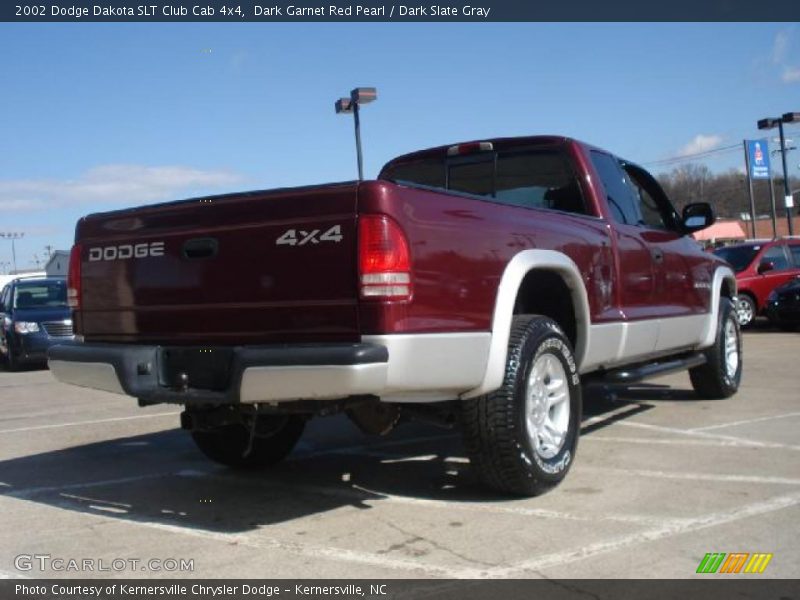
(231, 445)
(522, 437)
(722, 373)
(745, 310)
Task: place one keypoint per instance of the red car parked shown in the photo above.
(760, 266)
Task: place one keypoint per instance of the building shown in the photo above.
(721, 231)
(764, 226)
(58, 264)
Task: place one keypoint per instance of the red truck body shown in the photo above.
(486, 277)
(259, 292)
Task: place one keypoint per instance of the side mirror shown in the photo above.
(697, 216)
(764, 266)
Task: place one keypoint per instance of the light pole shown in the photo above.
(358, 96)
(12, 235)
(769, 123)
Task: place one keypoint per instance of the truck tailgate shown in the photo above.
(275, 266)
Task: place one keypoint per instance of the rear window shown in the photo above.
(739, 257)
(424, 172)
(52, 294)
(535, 179)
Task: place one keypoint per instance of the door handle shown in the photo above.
(200, 248)
(658, 255)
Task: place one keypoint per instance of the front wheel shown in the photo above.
(720, 376)
(231, 445)
(522, 438)
(745, 310)
(12, 362)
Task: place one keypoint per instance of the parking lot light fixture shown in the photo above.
(771, 123)
(12, 235)
(358, 96)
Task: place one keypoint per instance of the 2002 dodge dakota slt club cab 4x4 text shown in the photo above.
(475, 283)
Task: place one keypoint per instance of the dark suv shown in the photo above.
(33, 316)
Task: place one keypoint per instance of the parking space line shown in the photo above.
(725, 478)
(10, 575)
(357, 492)
(710, 436)
(690, 525)
(747, 421)
(305, 550)
(673, 442)
(27, 493)
(79, 423)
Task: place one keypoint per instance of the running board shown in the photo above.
(637, 374)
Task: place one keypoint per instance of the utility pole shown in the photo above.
(787, 193)
(771, 123)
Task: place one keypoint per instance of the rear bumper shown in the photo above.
(255, 373)
(397, 367)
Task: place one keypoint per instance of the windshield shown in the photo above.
(738, 256)
(41, 294)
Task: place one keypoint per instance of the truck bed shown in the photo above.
(242, 268)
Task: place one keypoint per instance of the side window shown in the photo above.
(3, 298)
(776, 255)
(619, 190)
(648, 208)
(795, 249)
(655, 209)
(538, 180)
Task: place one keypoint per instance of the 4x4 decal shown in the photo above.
(298, 237)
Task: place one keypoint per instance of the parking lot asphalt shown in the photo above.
(660, 479)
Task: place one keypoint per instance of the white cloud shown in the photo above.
(791, 75)
(700, 143)
(780, 46)
(112, 184)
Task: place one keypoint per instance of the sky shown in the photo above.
(98, 116)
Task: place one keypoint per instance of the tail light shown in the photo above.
(384, 259)
(74, 277)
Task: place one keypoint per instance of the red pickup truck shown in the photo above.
(477, 283)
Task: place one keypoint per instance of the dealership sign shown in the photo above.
(758, 158)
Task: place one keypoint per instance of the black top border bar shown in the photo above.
(241, 11)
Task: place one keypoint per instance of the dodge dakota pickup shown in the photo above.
(476, 284)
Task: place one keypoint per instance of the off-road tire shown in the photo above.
(712, 381)
(494, 426)
(228, 444)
